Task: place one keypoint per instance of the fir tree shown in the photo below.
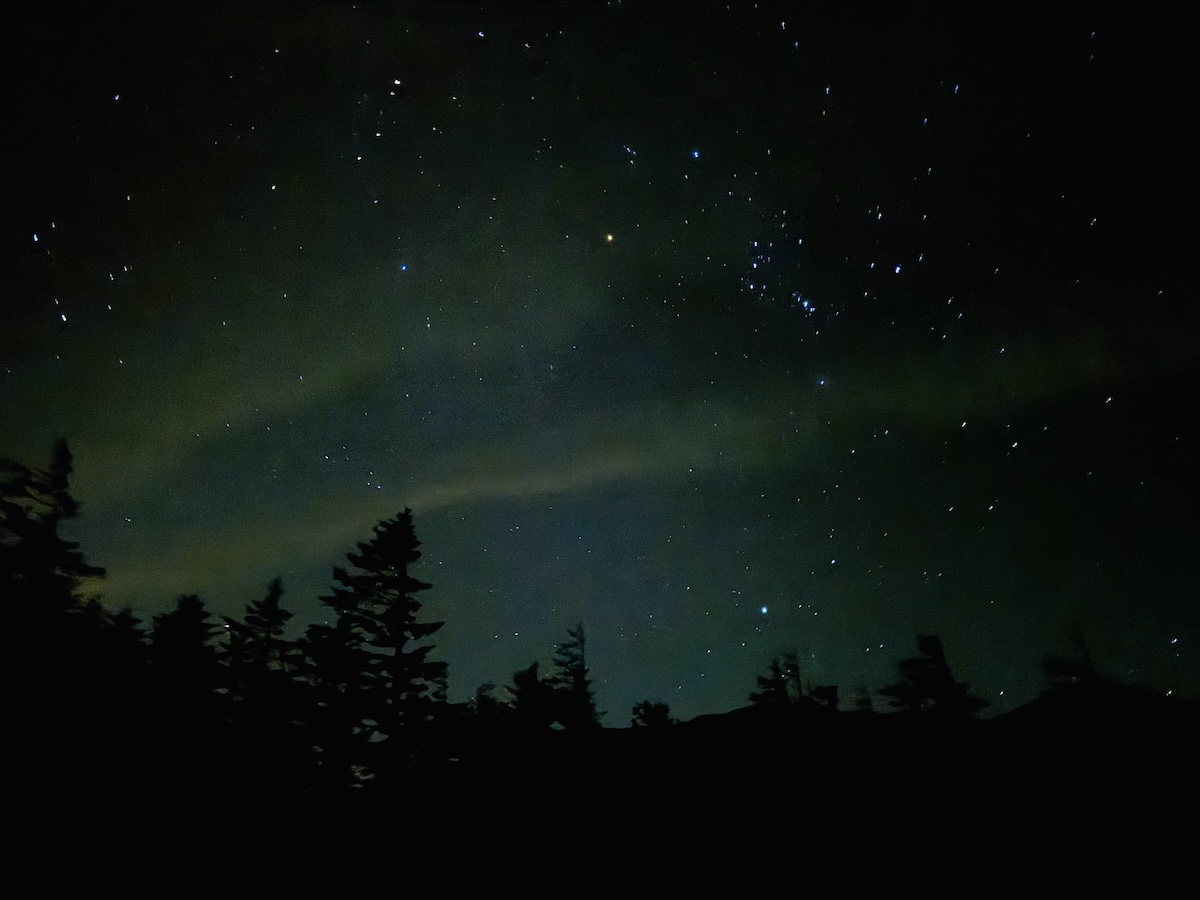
(186, 711)
(333, 669)
(38, 565)
(53, 662)
(380, 637)
(927, 686)
(575, 705)
(256, 651)
(267, 696)
(185, 673)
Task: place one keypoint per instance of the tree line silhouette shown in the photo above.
(103, 706)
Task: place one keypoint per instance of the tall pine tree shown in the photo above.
(574, 702)
(51, 659)
(41, 572)
(267, 697)
(186, 722)
(393, 683)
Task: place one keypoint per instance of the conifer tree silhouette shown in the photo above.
(333, 669)
(52, 657)
(266, 694)
(378, 645)
(533, 700)
(126, 654)
(487, 707)
(256, 651)
(185, 710)
(183, 658)
(927, 686)
(575, 704)
(781, 685)
(649, 714)
(37, 564)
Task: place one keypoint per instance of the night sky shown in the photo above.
(725, 329)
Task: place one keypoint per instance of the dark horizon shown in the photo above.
(1072, 684)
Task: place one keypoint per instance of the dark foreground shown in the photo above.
(1074, 761)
